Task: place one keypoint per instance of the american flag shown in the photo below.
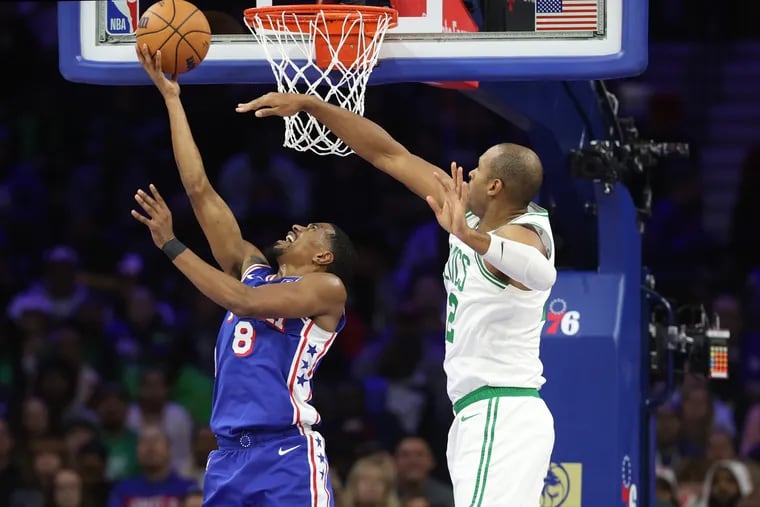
(564, 15)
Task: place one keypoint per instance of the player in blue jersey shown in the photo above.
(278, 327)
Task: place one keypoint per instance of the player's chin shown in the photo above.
(279, 248)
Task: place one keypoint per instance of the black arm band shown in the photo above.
(173, 248)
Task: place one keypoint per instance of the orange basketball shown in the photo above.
(180, 30)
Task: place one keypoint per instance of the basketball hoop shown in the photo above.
(330, 46)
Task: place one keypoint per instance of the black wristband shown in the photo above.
(173, 248)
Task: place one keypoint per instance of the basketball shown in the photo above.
(180, 30)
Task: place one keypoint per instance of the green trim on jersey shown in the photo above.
(488, 392)
(487, 274)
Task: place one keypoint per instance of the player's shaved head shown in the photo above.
(519, 169)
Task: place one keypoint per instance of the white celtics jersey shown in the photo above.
(493, 329)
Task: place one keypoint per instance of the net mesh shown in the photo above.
(324, 54)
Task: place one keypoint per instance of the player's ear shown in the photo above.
(323, 258)
(495, 186)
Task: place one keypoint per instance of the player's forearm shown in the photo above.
(368, 140)
(520, 262)
(216, 285)
(186, 154)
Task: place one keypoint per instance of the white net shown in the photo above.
(329, 58)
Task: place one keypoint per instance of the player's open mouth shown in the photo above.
(290, 237)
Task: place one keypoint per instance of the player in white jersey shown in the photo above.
(498, 277)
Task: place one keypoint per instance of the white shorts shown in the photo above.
(499, 450)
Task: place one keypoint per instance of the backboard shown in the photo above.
(435, 40)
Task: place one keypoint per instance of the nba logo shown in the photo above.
(121, 17)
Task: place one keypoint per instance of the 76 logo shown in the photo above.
(559, 318)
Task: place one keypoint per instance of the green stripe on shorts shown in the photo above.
(486, 450)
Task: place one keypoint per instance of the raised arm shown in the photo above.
(366, 138)
(321, 296)
(232, 253)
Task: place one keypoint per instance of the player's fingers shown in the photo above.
(139, 54)
(437, 209)
(460, 182)
(146, 202)
(251, 105)
(140, 218)
(156, 195)
(465, 192)
(267, 111)
(446, 183)
(157, 61)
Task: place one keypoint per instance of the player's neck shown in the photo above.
(496, 216)
(291, 270)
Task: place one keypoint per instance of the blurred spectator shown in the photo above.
(91, 466)
(414, 463)
(35, 419)
(720, 445)
(46, 457)
(111, 403)
(56, 385)
(59, 285)
(154, 407)
(690, 477)
(193, 499)
(77, 433)
(158, 484)
(668, 429)
(204, 442)
(699, 413)
(67, 342)
(726, 483)
(370, 483)
(666, 488)
(10, 475)
(68, 490)
(416, 501)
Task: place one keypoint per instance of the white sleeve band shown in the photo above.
(520, 262)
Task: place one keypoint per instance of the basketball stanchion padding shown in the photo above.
(323, 50)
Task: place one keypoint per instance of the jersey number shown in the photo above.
(452, 306)
(242, 340)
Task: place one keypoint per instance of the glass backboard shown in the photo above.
(435, 40)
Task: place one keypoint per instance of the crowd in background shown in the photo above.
(106, 352)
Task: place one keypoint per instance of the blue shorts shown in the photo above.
(269, 469)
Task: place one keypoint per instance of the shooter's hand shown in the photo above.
(152, 65)
(159, 219)
(276, 104)
(451, 213)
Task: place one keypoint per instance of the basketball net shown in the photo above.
(323, 50)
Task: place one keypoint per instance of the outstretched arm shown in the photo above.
(366, 138)
(216, 219)
(313, 295)
(512, 252)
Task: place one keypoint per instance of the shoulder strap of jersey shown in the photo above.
(472, 219)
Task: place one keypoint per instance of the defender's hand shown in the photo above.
(159, 219)
(275, 104)
(152, 65)
(451, 212)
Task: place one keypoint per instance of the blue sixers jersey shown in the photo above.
(264, 368)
